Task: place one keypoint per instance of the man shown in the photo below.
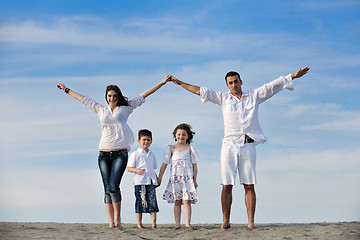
(242, 132)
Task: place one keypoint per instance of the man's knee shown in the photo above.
(227, 188)
(249, 187)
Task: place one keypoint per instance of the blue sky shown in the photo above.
(308, 171)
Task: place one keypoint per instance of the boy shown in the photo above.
(142, 162)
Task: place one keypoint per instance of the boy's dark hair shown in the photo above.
(230, 74)
(144, 133)
(187, 128)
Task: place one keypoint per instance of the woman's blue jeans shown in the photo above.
(112, 167)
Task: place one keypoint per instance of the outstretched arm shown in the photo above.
(75, 95)
(191, 88)
(153, 89)
(300, 73)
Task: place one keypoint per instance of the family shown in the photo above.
(242, 132)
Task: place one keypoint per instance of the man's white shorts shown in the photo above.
(241, 159)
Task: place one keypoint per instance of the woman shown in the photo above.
(116, 138)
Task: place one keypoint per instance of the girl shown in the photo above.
(116, 138)
(182, 185)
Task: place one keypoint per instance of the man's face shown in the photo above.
(234, 84)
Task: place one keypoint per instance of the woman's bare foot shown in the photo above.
(118, 224)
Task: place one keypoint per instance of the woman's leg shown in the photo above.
(105, 169)
(187, 212)
(177, 213)
(110, 213)
(119, 162)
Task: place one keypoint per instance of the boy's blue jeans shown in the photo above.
(112, 167)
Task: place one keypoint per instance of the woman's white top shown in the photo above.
(115, 132)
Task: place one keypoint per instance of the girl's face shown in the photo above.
(112, 98)
(181, 136)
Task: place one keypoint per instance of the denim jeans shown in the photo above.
(112, 166)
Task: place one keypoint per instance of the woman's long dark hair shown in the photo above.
(122, 101)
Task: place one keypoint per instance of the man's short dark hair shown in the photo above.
(230, 74)
(144, 133)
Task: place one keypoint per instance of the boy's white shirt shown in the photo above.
(143, 160)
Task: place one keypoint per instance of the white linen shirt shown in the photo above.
(115, 132)
(241, 116)
(143, 160)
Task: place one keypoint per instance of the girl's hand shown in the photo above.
(61, 86)
(195, 183)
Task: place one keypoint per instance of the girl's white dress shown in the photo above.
(181, 182)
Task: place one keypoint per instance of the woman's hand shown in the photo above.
(166, 79)
(61, 86)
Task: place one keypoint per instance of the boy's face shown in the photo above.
(145, 142)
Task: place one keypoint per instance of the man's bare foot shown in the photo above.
(251, 226)
(225, 226)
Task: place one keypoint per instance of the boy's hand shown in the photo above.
(140, 171)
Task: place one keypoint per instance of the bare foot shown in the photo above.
(140, 226)
(225, 226)
(118, 224)
(251, 226)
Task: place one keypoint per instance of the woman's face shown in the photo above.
(112, 98)
(181, 136)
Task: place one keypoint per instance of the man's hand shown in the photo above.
(300, 73)
(175, 80)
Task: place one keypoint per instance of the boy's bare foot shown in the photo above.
(140, 226)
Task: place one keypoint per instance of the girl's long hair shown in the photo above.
(187, 128)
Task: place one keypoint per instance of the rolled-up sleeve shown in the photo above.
(93, 105)
(137, 101)
(269, 89)
(208, 95)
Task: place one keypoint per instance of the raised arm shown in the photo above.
(300, 72)
(75, 95)
(191, 88)
(153, 89)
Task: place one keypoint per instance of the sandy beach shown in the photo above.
(18, 230)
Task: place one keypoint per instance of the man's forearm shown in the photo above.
(191, 88)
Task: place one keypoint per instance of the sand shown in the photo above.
(49, 230)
